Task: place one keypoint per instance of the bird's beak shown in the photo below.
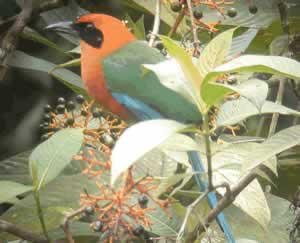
(62, 27)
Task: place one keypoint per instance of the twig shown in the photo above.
(45, 6)
(177, 22)
(192, 206)
(208, 151)
(226, 201)
(21, 233)
(40, 213)
(11, 38)
(156, 23)
(65, 223)
(279, 97)
(196, 41)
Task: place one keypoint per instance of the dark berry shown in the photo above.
(70, 121)
(97, 226)
(60, 109)
(253, 9)
(46, 118)
(197, 14)
(79, 99)
(232, 80)
(47, 108)
(89, 210)
(84, 113)
(176, 7)
(96, 114)
(160, 46)
(138, 230)
(44, 137)
(143, 201)
(107, 139)
(232, 12)
(61, 101)
(70, 106)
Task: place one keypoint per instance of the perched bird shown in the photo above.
(111, 60)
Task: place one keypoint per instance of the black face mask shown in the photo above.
(89, 33)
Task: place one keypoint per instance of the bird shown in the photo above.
(111, 59)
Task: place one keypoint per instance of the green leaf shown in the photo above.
(277, 231)
(15, 168)
(138, 140)
(213, 93)
(25, 61)
(234, 111)
(163, 224)
(9, 190)
(277, 65)
(215, 52)
(254, 90)
(137, 28)
(33, 35)
(194, 78)
(241, 43)
(279, 142)
(227, 164)
(73, 63)
(57, 198)
(49, 159)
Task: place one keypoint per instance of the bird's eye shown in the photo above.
(89, 26)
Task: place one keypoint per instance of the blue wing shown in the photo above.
(143, 111)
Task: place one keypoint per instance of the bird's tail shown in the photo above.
(197, 165)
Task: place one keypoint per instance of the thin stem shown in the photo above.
(156, 23)
(196, 41)
(275, 116)
(177, 22)
(208, 150)
(65, 223)
(36, 195)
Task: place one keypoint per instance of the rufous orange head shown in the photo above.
(100, 35)
(102, 32)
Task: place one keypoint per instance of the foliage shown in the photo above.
(134, 182)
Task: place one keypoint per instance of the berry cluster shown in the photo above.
(181, 5)
(99, 125)
(122, 212)
(115, 212)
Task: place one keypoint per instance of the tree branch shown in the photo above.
(65, 223)
(10, 40)
(44, 6)
(226, 201)
(21, 233)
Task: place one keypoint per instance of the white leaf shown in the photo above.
(234, 111)
(171, 75)
(138, 140)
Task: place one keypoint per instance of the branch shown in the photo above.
(226, 201)
(11, 38)
(45, 6)
(196, 41)
(21, 233)
(156, 24)
(65, 223)
(177, 22)
(275, 116)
